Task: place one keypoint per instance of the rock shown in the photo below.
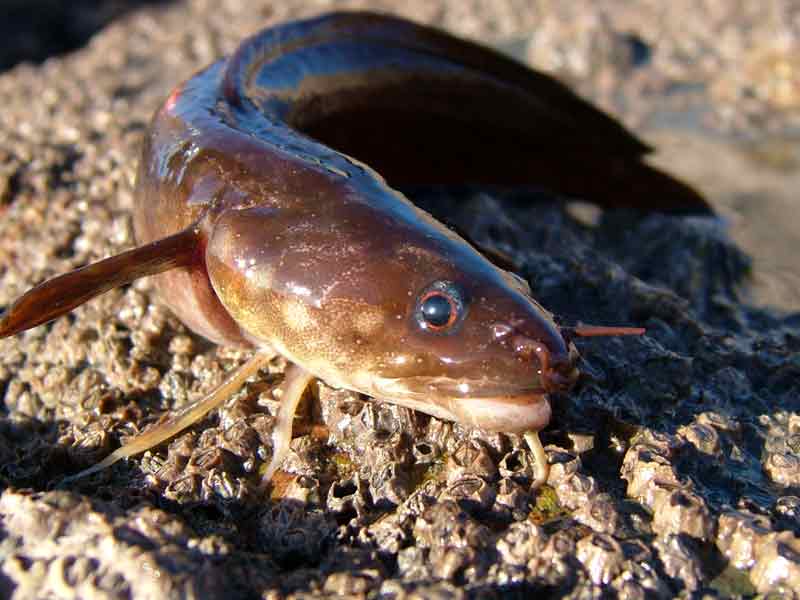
(675, 449)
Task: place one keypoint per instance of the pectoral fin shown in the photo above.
(291, 392)
(59, 295)
(182, 419)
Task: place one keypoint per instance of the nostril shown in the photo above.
(527, 348)
(561, 381)
(558, 371)
(560, 376)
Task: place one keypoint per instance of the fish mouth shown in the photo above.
(496, 407)
(504, 414)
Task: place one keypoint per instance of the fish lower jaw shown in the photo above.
(503, 415)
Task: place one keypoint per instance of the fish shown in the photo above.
(267, 211)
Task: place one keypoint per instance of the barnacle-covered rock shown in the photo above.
(676, 451)
(425, 453)
(576, 490)
(702, 436)
(355, 584)
(470, 458)
(348, 499)
(105, 552)
(288, 531)
(454, 540)
(521, 543)
(777, 566)
(602, 557)
(303, 489)
(390, 484)
(422, 591)
(649, 469)
(387, 535)
(787, 512)
(471, 492)
(517, 464)
(574, 487)
(679, 512)
(600, 514)
(782, 456)
(639, 577)
(741, 533)
(446, 524)
(563, 465)
(680, 560)
(413, 563)
(341, 410)
(511, 500)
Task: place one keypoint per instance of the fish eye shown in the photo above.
(440, 307)
(437, 309)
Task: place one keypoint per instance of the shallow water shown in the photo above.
(754, 185)
(752, 180)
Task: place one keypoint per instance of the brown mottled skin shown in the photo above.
(275, 240)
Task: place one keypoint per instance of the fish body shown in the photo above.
(309, 252)
(266, 208)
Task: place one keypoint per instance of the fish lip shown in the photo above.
(507, 409)
(461, 389)
(561, 380)
(561, 373)
(519, 413)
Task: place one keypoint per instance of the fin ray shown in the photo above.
(59, 295)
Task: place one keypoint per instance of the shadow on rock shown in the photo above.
(34, 30)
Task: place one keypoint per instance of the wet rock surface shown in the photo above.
(674, 461)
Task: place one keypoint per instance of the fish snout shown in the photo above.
(557, 370)
(561, 371)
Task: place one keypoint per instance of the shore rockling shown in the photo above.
(673, 461)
